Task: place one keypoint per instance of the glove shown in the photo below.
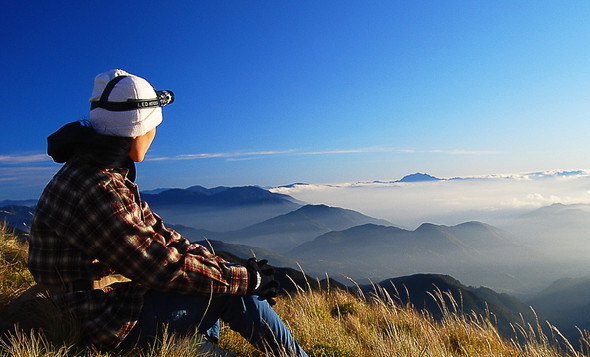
(261, 279)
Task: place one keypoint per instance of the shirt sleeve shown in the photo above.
(124, 235)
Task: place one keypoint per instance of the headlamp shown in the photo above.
(163, 97)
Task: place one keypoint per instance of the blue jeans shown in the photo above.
(249, 315)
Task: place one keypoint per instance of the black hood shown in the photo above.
(78, 140)
(63, 144)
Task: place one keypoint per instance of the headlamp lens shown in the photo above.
(165, 97)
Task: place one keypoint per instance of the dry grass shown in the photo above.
(15, 278)
(326, 323)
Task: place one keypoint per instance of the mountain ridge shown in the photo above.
(432, 292)
(218, 196)
(566, 304)
(220, 208)
(418, 177)
(372, 251)
(291, 229)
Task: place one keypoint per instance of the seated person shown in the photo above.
(91, 224)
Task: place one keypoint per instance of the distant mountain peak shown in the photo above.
(428, 227)
(295, 184)
(473, 224)
(319, 207)
(221, 196)
(418, 177)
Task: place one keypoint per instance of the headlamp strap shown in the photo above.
(162, 98)
(104, 98)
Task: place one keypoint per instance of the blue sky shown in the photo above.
(274, 92)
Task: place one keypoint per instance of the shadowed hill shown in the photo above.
(289, 230)
(216, 197)
(566, 303)
(435, 292)
(220, 208)
(473, 251)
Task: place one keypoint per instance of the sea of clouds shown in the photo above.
(491, 199)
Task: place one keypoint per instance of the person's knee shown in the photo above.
(256, 305)
(248, 307)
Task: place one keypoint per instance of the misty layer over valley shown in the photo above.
(535, 249)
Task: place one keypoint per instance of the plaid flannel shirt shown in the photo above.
(90, 223)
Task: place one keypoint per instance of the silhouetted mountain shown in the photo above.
(216, 197)
(289, 230)
(565, 304)
(219, 208)
(207, 191)
(480, 237)
(470, 238)
(295, 184)
(418, 177)
(420, 290)
(472, 251)
(240, 250)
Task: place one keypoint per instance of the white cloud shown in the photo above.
(24, 182)
(253, 155)
(23, 159)
(451, 201)
(20, 171)
(460, 152)
(230, 156)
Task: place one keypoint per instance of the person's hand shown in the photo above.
(262, 280)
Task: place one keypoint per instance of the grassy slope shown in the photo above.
(327, 323)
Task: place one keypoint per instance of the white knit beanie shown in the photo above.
(127, 123)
